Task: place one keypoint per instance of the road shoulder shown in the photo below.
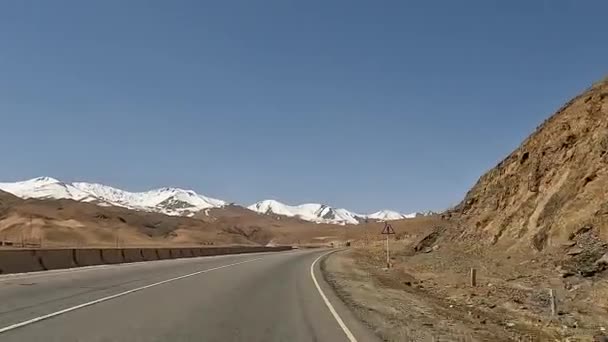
(399, 310)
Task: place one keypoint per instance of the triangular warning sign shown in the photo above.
(388, 229)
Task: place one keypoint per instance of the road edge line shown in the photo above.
(107, 298)
(331, 308)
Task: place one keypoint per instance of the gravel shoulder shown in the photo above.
(399, 307)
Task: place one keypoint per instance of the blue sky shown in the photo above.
(358, 104)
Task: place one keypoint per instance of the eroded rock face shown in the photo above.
(555, 183)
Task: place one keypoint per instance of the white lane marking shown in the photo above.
(97, 301)
(349, 334)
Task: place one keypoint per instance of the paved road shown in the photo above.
(253, 297)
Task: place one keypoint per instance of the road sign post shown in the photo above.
(388, 254)
(388, 231)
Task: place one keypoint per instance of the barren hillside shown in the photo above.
(6, 201)
(537, 221)
(553, 187)
(70, 223)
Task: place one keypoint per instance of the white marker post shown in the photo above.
(388, 254)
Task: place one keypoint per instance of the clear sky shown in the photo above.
(358, 104)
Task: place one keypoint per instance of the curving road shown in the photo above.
(253, 297)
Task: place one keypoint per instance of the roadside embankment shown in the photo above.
(399, 305)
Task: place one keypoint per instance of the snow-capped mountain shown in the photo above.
(388, 215)
(322, 213)
(313, 212)
(46, 188)
(180, 202)
(169, 201)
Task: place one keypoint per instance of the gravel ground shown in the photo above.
(399, 307)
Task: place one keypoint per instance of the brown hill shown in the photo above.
(553, 187)
(68, 223)
(278, 229)
(6, 201)
(537, 221)
(6, 198)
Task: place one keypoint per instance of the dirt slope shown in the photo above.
(552, 186)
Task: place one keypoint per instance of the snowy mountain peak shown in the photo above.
(314, 212)
(45, 187)
(322, 213)
(388, 215)
(169, 201)
(181, 202)
(172, 190)
(44, 180)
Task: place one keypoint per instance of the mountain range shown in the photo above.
(180, 202)
(322, 213)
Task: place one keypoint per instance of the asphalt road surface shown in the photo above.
(251, 297)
